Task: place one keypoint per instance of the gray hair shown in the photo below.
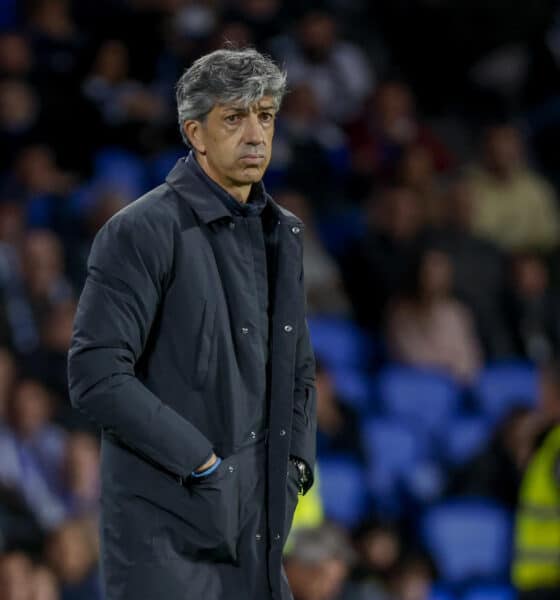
(224, 76)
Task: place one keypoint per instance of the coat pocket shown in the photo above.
(204, 343)
(206, 526)
(149, 515)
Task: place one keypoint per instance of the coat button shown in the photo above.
(244, 330)
(231, 225)
(288, 328)
(252, 435)
(276, 536)
(231, 468)
(282, 432)
(296, 230)
(258, 537)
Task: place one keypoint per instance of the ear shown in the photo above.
(195, 134)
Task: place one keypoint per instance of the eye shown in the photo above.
(232, 119)
(267, 117)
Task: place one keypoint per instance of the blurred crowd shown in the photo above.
(418, 143)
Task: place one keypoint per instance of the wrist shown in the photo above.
(207, 463)
(204, 472)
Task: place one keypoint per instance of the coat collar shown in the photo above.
(204, 198)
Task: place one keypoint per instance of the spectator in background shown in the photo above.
(265, 18)
(318, 567)
(95, 208)
(57, 43)
(33, 283)
(81, 475)
(375, 267)
(16, 573)
(16, 57)
(535, 566)
(31, 411)
(31, 451)
(306, 143)
(479, 270)
(496, 471)
(379, 547)
(59, 50)
(72, 553)
(124, 104)
(43, 273)
(416, 170)
(412, 578)
(38, 183)
(532, 307)
(548, 401)
(7, 380)
(337, 71)
(12, 232)
(514, 206)
(387, 127)
(45, 585)
(49, 362)
(20, 125)
(324, 288)
(428, 327)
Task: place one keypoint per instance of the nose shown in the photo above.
(253, 133)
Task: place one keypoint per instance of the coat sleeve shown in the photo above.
(304, 419)
(128, 267)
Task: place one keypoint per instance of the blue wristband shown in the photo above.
(207, 471)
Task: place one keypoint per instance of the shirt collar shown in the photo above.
(255, 202)
(189, 180)
(188, 175)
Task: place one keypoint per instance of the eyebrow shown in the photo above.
(241, 109)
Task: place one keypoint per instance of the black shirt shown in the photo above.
(259, 226)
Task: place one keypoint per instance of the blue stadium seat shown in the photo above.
(340, 342)
(120, 170)
(423, 398)
(490, 592)
(503, 386)
(464, 437)
(352, 387)
(438, 593)
(393, 450)
(343, 489)
(162, 163)
(469, 540)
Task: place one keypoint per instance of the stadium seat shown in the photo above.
(340, 343)
(393, 450)
(120, 170)
(469, 540)
(425, 399)
(343, 489)
(162, 163)
(464, 437)
(352, 388)
(503, 386)
(437, 593)
(490, 592)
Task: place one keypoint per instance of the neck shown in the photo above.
(239, 191)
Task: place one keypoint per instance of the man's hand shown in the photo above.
(207, 464)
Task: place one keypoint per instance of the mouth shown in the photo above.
(252, 158)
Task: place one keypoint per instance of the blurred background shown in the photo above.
(420, 144)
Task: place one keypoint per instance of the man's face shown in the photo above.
(235, 141)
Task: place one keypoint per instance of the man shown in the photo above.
(191, 349)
